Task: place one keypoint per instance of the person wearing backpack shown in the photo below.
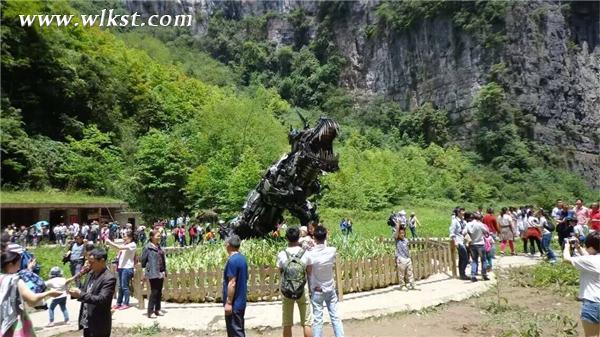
(547, 229)
(294, 266)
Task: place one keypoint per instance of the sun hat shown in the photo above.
(56, 272)
(15, 248)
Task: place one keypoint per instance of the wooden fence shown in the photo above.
(429, 257)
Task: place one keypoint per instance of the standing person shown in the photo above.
(476, 230)
(489, 220)
(235, 287)
(294, 265)
(565, 230)
(547, 229)
(76, 257)
(154, 264)
(344, 227)
(14, 318)
(58, 282)
(125, 267)
(582, 214)
(96, 296)
(163, 235)
(456, 234)
(507, 233)
(349, 226)
(557, 211)
(403, 261)
(322, 285)
(412, 224)
(594, 222)
(193, 234)
(588, 264)
(534, 234)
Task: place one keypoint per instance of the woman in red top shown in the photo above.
(594, 221)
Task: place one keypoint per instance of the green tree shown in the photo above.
(94, 162)
(160, 175)
(497, 140)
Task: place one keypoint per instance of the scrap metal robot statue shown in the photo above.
(289, 183)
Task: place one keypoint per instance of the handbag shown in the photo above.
(24, 326)
(67, 257)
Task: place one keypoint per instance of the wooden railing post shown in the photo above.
(453, 258)
(338, 277)
(138, 287)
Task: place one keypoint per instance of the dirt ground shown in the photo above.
(516, 312)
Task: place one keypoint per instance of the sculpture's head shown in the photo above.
(317, 143)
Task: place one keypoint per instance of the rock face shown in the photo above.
(551, 57)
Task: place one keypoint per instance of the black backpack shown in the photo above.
(293, 276)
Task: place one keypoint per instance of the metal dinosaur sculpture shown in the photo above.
(288, 183)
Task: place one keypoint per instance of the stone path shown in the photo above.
(432, 291)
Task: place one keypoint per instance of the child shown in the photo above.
(488, 244)
(403, 262)
(58, 282)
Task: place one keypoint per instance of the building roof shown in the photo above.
(56, 199)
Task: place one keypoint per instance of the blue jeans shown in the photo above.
(490, 256)
(478, 253)
(590, 312)
(463, 259)
(546, 239)
(62, 302)
(413, 231)
(75, 267)
(330, 299)
(125, 275)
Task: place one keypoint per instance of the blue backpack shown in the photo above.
(33, 281)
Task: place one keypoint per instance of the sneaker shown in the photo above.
(552, 261)
(485, 278)
(123, 307)
(116, 307)
(464, 278)
(151, 315)
(158, 313)
(49, 325)
(501, 253)
(473, 279)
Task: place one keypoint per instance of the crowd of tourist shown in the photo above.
(306, 265)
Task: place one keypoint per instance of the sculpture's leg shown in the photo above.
(306, 213)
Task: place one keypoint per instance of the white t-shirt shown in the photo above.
(58, 283)
(578, 230)
(282, 257)
(589, 283)
(126, 257)
(322, 260)
(544, 222)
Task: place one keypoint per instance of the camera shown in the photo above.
(572, 241)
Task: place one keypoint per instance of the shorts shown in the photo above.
(303, 306)
(590, 312)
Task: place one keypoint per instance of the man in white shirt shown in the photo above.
(295, 250)
(322, 285)
(557, 211)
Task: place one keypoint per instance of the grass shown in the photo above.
(39, 197)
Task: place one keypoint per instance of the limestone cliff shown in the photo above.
(550, 57)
